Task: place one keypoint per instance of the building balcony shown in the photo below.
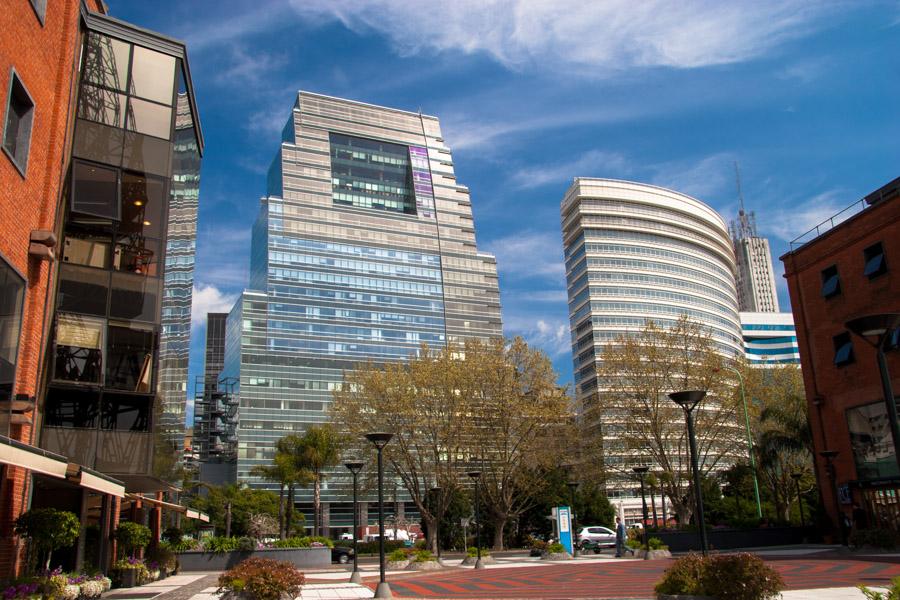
(110, 452)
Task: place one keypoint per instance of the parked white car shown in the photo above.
(598, 535)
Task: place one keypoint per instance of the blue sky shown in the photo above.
(803, 95)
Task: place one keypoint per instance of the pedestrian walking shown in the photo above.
(620, 537)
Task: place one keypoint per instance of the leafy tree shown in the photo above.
(637, 372)
(244, 502)
(132, 537)
(48, 529)
(320, 449)
(285, 473)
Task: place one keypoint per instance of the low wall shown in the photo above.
(729, 539)
(302, 558)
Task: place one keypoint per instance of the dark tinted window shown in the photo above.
(147, 154)
(150, 118)
(136, 254)
(106, 61)
(843, 349)
(12, 294)
(17, 125)
(129, 358)
(831, 282)
(95, 191)
(79, 349)
(143, 207)
(134, 297)
(83, 290)
(101, 143)
(88, 248)
(153, 75)
(101, 105)
(72, 407)
(126, 412)
(875, 263)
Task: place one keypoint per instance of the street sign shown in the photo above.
(565, 528)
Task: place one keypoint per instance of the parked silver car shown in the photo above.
(595, 534)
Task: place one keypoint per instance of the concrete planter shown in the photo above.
(486, 559)
(556, 556)
(128, 578)
(428, 565)
(653, 554)
(396, 565)
(302, 558)
(682, 597)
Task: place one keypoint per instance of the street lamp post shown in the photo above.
(436, 490)
(380, 440)
(796, 477)
(573, 485)
(641, 471)
(749, 441)
(829, 456)
(688, 400)
(355, 467)
(880, 327)
(475, 476)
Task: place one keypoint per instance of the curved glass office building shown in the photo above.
(637, 252)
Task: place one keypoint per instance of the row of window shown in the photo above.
(88, 408)
(432, 260)
(360, 333)
(323, 312)
(652, 281)
(355, 282)
(874, 264)
(359, 266)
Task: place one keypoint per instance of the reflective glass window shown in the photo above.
(875, 264)
(12, 294)
(129, 357)
(143, 201)
(72, 407)
(126, 412)
(106, 61)
(136, 254)
(17, 125)
(831, 282)
(843, 349)
(147, 154)
(149, 117)
(97, 142)
(79, 349)
(153, 75)
(86, 248)
(101, 105)
(95, 190)
(83, 290)
(134, 297)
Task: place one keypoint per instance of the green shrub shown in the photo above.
(218, 545)
(656, 544)
(372, 547)
(536, 544)
(184, 544)
(262, 579)
(473, 551)
(132, 536)
(739, 576)
(48, 529)
(885, 539)
(633, 544)
(420, 544)
(556, 548)
(398, 555)
(322, 540)
(893, 592)
(163, 556)
(423, 556)
(172, 535)
(293, 542)
(246, 544)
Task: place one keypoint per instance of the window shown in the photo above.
(72, 407)
(150, 118)
(153, 75)
(40, 9)
(95, 191)
(83, 290)
(106, 61)
(79, 349)
(17, 125)
(831, 282)
(843, 349)
(12, 294)
(875, 263)
(126, 412)
(129, 357)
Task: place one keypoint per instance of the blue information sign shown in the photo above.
(565, 527)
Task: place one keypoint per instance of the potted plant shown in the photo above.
(423, 560)
(261, 579)
(739, 576)
(47, 529)
(472, 557)
(556, 551)
(654, 549)
(131, 572)
(398, 559)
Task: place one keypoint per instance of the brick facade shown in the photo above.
(831, 390)
(44, 58)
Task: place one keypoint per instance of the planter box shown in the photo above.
(302, 558)
(727, 539)
(486, 559)
(653, 554)
(128, 578)
(682, 597)
(556, 556)
(396, 565)
(428, 565)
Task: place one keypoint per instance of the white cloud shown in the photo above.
(529, 254)
(590, 38)
(594, 163)
(788, 220)
(249, 68)
(550, 335)
(207, 299)
(703, 179)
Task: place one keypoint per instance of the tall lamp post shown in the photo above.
(573, 485)
(749, 441)
(436, 491)
(688, 400)
(355, 467)
(641, 472)
(796, 477)
(475, 476)
(876, 331)
(380, 440)
(829, 456)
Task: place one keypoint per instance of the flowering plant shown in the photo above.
(22, 591)
(71, 592)
(92, 588)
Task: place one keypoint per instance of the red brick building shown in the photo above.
(846, 268)
(91, 149)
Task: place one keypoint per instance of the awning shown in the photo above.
(37, 460)
(94, 480)
(167, 505)
(144, 484)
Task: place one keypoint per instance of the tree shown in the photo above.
(285, 473)
(48, 529)
(244, 502)
(425, 403)
(320, 449)
(519, 423)
(637, 373)
(132, 537)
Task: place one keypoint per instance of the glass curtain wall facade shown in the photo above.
(634, 253)
(364, 249)
(770, 338)
(130, 197)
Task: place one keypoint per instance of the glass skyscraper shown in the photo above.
(363, 250)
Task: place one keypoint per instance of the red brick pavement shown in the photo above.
(625, 579)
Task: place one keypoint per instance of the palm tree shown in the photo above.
(282, 472)
(320, 448)
(290, 462)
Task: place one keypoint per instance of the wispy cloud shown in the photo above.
(550, 335)
(226, 27)
(249, 68)
(703, 179)
(591, 38)
(207, 299)
(530, 254)
(594, 163)
(789, 220)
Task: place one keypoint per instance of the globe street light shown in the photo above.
(796, 477)
(355, 467)
(573, 485)
(688, 400)
(641, 471)
(380, 440)
(880, 327)
(749, 441)
(475, 476)
(829, 456)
